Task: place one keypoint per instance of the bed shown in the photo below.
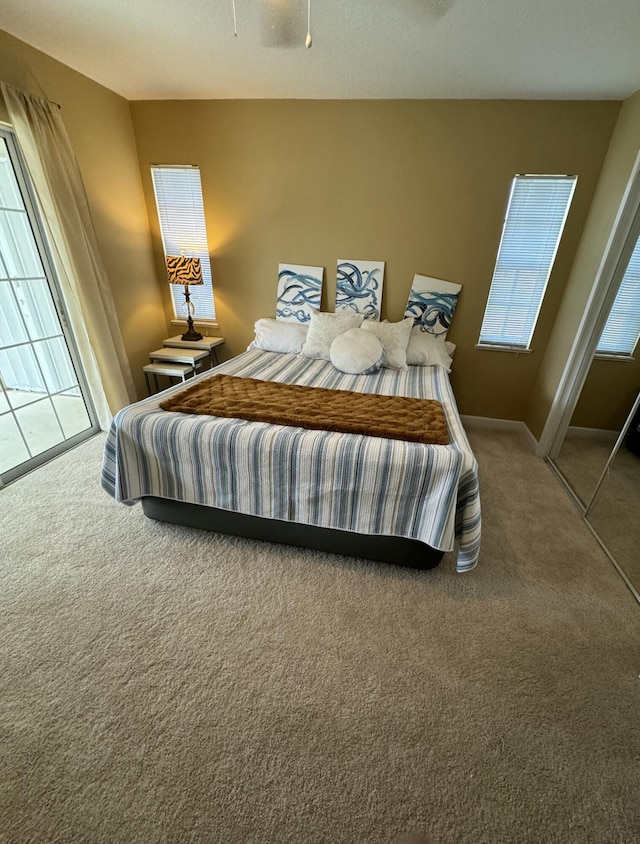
(391, 500)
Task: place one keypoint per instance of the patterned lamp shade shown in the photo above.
(183, 270)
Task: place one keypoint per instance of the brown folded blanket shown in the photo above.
(392, 417)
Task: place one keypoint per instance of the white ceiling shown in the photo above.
(186, 49)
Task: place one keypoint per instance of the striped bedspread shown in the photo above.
(346, 481)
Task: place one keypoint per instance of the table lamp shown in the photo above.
(183, 270)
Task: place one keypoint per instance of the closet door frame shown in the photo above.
(620, 245)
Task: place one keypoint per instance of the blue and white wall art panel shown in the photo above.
(432, 303)
(299, 292)
(359, 288)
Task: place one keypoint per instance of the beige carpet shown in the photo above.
(159, 684)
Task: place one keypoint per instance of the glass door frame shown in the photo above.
(35, 220)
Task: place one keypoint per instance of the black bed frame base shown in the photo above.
(386, 549)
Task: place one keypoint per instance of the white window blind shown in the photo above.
(178, 192)
(536, 214)
(622, 330)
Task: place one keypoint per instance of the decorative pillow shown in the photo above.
(275, 336)
(323, 330)
(356, 351)
(432, 303)
(395, 338)
(426, 349)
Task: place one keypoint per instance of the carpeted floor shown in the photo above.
(159, 684)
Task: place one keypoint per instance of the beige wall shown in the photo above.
(99, 125)
(422, 185)
(611, 379)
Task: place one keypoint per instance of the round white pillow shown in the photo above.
(357, 352)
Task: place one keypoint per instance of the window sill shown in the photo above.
(605, 356)
(487, 347)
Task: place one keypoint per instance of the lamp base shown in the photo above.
(191, 334)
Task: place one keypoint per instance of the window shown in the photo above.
(44, 401)
(536, 213)
(178, 192)
(622, 330)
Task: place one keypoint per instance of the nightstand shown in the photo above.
(209, 344)
(171, 370)
(175, 363)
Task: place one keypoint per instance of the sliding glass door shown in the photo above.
(44, 403)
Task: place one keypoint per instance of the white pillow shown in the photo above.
(395, 339)
(357, 352)
(426, 349)
(323, 330)
(275, 336)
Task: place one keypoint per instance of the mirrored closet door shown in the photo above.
(614, 510)
(601, 466)
(599, 457)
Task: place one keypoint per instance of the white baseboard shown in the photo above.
(504, 424)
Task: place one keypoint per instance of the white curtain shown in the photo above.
(85, 287)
